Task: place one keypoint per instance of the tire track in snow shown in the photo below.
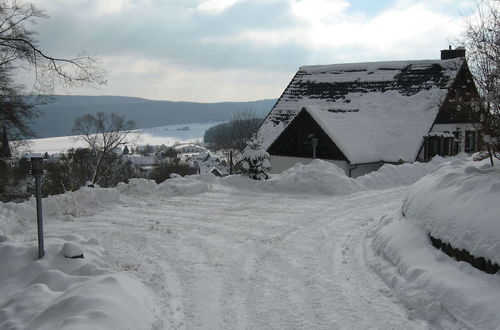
(314, 291)
(229, 259)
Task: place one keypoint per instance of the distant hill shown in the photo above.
(58, 116)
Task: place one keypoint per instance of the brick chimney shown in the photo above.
(446, 54)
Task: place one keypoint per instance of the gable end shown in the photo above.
(295, 140)
(460, 104)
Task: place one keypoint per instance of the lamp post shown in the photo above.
(314, 143)
(37, 172)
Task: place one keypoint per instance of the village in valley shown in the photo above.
(359, 193)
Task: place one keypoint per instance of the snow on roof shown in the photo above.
(376, 111)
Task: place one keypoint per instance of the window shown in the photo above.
(470, 141)
(456, 142)
(438, 145)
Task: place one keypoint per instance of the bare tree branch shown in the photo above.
(482, 39)
(103, 133)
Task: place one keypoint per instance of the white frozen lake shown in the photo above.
(167, 135)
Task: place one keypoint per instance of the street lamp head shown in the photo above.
(314, 142)
(36, 164)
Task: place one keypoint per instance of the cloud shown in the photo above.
(216, 6)
(222, 47)
(318, 10)
(328, 26)
(169, 80)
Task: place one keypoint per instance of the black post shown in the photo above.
(39, 218)
(231, 162)
(37, 171)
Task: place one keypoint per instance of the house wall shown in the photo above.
(456, 116)
(462, 128)
(460, 105)
(281, 163)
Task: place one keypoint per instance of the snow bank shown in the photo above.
(137, 187)
(61, 293)
(187, 185)
(399, 175)
(16, 216)
(460, 205)
(317, 177)
(320, 177)
(430, 284)
(175, 186)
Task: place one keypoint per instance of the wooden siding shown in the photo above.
(461, 102)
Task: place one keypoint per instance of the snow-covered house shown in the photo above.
(362, 115)
(208, 163)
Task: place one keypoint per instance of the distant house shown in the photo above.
(362, 115)
(208, 163)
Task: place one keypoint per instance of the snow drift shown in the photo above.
(175, 186)
(390, 175)
(324, 178)
(61, 293)
(17, 216)
(317, 177)
(458, 203)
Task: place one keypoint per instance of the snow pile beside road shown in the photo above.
(429, 283)
(458, 203)
(320, 177)
(175, 186)
(187, 185)
(389, 175)
(76, 203)
(139, 187)
(62, 293)
(16, 216)
(317, 177)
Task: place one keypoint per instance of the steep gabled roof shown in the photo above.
(373, 111)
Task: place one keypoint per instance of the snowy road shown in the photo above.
(237, 259)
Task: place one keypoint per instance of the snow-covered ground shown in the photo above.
(308, 249)
(167, 135)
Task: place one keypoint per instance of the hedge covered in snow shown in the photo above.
(459, 204)
(455, 208)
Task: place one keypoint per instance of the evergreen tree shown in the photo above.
(255, 161)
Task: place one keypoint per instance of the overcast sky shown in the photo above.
(239, 50)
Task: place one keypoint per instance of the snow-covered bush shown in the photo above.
(255, 161)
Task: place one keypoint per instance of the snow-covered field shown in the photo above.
(167, 135)
(308, 249)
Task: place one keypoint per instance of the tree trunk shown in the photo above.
(490, 154)
(97, 167)
(5, 151)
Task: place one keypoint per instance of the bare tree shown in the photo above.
(103, 133)
(19, 48)
(482, 38)
(230, 139)
(19, 45)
